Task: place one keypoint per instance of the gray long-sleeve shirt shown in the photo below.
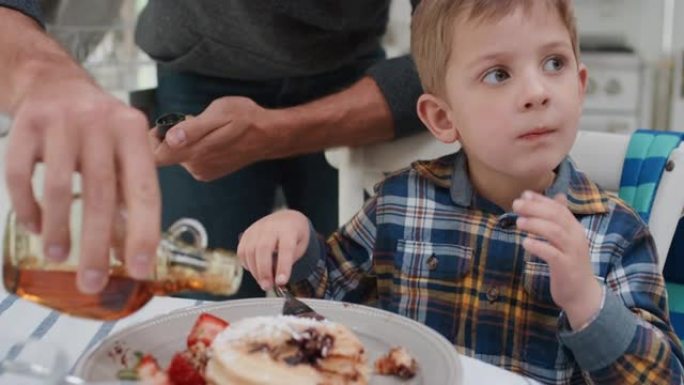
(272, 39)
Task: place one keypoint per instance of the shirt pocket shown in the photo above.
(428, 285)
(425, 261)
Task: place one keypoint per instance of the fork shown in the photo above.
(295, 307)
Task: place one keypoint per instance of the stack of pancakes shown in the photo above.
(286, 350)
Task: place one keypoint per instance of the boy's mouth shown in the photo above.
(536, 133)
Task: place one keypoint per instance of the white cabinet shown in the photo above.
(614, 94)
(627, 91)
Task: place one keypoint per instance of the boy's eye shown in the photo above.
(496, 76)
(554, 64)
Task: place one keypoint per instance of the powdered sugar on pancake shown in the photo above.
(267, 328)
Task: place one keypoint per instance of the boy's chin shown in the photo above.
(538, 167)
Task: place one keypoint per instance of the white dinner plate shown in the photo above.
(379, 330)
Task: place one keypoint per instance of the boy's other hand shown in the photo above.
(270, 246)
(564, 247)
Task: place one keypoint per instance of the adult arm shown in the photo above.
(234, 132)
(63, 119)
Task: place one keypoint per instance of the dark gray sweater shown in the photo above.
(272, 39)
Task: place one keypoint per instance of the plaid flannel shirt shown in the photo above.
(427, 247)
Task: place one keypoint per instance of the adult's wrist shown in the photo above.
(30, 57)
(356, 116)
(36, 72)
(297, 130)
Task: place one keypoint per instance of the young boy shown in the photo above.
(504, 247)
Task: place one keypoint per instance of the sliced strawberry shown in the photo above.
(147, 367)
(205, 329)
(149, 372)
(182, 372)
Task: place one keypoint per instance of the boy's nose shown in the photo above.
(535, 95)
(541, 101)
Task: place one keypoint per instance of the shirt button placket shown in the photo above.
(507, 221)
(432, 262)
(493, 294)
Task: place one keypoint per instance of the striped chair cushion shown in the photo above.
(644, 164)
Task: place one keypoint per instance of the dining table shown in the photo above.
(74, 337)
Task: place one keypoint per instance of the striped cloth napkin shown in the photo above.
(21, 320)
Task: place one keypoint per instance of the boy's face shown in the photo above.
(514, 92)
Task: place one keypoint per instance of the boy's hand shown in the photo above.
(283, 235)
(565, 250)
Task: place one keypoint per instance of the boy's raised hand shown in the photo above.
(270, 246)
(565, 249)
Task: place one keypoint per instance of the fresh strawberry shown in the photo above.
(182, 372)
(147, 367)
(205, 329)
(149, 372)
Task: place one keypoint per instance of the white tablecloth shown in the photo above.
(20, 319)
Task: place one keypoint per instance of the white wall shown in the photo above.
(677, 117)
(398, 37)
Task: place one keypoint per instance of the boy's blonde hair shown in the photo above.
(432, 30)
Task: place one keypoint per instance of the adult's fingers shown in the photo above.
(192, 129)
(152, 139)
(141, 193)
(22, 155)
(98, 172)
(60, 157)
(166, 156)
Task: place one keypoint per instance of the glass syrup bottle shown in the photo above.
(181, 266)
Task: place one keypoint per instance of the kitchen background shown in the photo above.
(634, 50)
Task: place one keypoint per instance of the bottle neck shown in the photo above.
(181, 267)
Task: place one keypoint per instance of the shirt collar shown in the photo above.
(451, 171)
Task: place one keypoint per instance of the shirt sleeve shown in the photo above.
(340, 268)
(30, 8)
(400, 85)
(631, 341)
(398, 81)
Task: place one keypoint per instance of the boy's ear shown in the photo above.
(583, 75)
(434, 113)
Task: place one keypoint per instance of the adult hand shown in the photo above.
(565, 249)
(231, 133)
(67, 122)
(284, 234)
